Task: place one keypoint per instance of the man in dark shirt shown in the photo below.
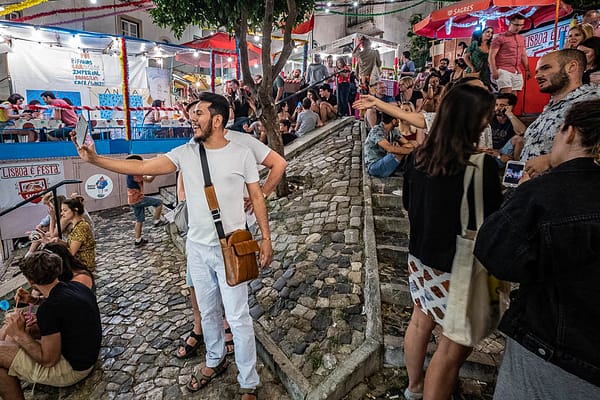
(507, 130)
(69, 325)
(328, 104)
(445, 72)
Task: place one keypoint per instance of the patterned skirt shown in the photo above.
(428, 288)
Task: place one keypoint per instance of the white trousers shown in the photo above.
(207, 270)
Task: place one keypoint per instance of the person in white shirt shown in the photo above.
(232, 168)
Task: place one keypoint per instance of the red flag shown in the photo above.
(305, 26)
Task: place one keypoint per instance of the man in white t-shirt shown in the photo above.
(276, 165)
(232, 167)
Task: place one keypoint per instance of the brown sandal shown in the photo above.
(251, 392)
(229, 345)
(203, 380)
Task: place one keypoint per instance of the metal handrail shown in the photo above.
(42, 193)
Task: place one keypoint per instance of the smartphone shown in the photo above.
(299, 105)
(81, 130)
(513, 173)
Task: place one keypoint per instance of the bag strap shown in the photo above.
(473, 173)
(211, 195)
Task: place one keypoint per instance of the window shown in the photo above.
(14, 15)
(130, 27)
(355, 20)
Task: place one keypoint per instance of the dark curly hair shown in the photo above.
(41, 267)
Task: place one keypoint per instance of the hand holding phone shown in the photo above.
(513, 173)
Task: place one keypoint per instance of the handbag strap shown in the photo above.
(211, 195)
(473, 173)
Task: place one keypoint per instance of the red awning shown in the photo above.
(461, 19)
(222, 44)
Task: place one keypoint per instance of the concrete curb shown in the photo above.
(311, 138)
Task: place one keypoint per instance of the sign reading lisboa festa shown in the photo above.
(21, 181)
(98, 186)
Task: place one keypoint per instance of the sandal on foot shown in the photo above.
(408, 395)
(229, 345)
(202, 380)
(190, 350)
(251, 392)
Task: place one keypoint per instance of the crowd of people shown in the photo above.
(542, 235)
(528, 237)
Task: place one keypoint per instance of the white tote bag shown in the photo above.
(468, 316)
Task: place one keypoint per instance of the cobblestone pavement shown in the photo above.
(309, 300)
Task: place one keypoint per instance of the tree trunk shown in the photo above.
(269, 121)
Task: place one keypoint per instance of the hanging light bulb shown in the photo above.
(256, 38)
(196, 54)
(327, 11)
(355, 4)
(229, 59)
(328, 4)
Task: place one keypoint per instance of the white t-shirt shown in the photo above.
(231, 167)
(260, 152)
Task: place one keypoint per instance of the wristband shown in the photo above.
(267, 238)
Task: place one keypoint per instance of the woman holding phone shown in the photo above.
(545, 237)
(432, 193)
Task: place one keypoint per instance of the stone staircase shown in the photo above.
(391, 233)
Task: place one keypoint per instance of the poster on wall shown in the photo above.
(98, 186)
(21, 181)
(159, 84)
(87, 69)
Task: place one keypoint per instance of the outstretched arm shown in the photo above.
(367, 101)
(161, 165)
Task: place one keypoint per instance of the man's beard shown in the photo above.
(206, 133)
(442, 68)
(558, 82)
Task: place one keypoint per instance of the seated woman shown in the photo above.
(80, 240)
(283, 112)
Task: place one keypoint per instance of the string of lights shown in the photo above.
(328, 9)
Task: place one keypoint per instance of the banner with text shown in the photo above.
(88, 69)
(21, 181)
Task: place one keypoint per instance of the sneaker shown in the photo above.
(140, 242)
(397, 192)
(160, 222)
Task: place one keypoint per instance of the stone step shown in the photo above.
(397, 255)
(393, 293)
(386, 185)
(169, 194)
(387, 201)
(391, 224)
(480, 365)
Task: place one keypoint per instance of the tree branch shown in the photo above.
(290, 22)
(241, 34)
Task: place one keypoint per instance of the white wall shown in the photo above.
(106, 24)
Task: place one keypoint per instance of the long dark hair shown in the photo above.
(594, 44)
(453, 137)
(478, 36)
(70, 264)
(585, 118)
